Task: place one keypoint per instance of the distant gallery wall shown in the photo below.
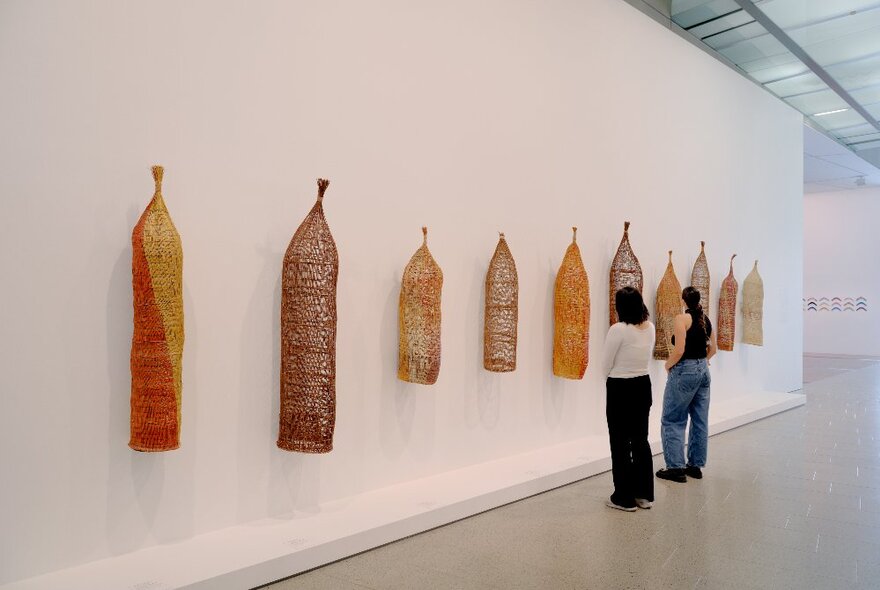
(841, 285)
(468, 117)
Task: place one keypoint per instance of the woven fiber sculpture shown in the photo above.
(571, 315)
(668, 306)
(157, 340)
(753, 308)
(419, 318)
(700, 278)
(501, 312)
(625, 272)
(727, 310)
(308, 335)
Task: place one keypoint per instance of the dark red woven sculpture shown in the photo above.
(727, 311)
(625, 271)
(308, 335)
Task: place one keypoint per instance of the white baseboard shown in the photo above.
(260, 552)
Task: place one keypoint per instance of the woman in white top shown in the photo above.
(628, 348)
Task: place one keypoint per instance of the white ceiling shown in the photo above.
(828, 166)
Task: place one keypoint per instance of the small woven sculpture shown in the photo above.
(571, 315)
(501, 312)
(625, 272)
(667, 307)
(727, 311)
(157, 340)
(753, 308)
(700, 278)
(308, 335)
(419, 318)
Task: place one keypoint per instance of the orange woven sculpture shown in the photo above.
(308, 335)
(700, 278)
(625, 272)
(157, 340)
(727, 310)
(667, 307)
(501, 311)
(753, 308)
(419, 318)
(571, 315)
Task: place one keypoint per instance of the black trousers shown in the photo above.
(627, 405)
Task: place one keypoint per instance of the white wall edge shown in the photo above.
(267, 550)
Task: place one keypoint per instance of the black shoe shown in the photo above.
(676, 475)
(694, 472)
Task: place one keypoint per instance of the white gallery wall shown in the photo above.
(468, 117)
(840, 242)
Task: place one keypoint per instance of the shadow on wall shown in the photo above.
(148, 494)
(400, 399)
(482, 405)
(258, 386)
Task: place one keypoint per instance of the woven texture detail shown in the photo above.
(419, 318)
(571, 315)
(501, 312)
(308, 335)
(668, 305)
(753, 308)
(727, 310)
(157, 339)
(700, 278)
(625, 272)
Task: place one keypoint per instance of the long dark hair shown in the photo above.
(691, 298)
(631, 308)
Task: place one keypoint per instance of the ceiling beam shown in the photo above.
(798, 51)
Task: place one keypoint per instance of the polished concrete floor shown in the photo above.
(791, 501)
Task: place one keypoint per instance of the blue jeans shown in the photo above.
(686, 394)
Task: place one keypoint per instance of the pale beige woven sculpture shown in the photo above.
(501, 311)
(571, 315)
(700, 278)
(668, 306)
(753, 308)
(727, 310)
(419, 318)
(308, 335)
(625, 272)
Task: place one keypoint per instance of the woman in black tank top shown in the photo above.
(687, 392)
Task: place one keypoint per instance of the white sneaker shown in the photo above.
(642, 503)
(611, 504)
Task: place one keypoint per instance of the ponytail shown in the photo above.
(691, 298)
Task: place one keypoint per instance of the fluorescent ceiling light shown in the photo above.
(829, 112)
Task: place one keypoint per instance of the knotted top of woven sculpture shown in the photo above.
(312, 241)
(667, 307)
(625, 271)
(308, 335)
(419, 318)
(571, 315)
(700, 278)
(501, 312)
(753, 308)
(727, 310)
